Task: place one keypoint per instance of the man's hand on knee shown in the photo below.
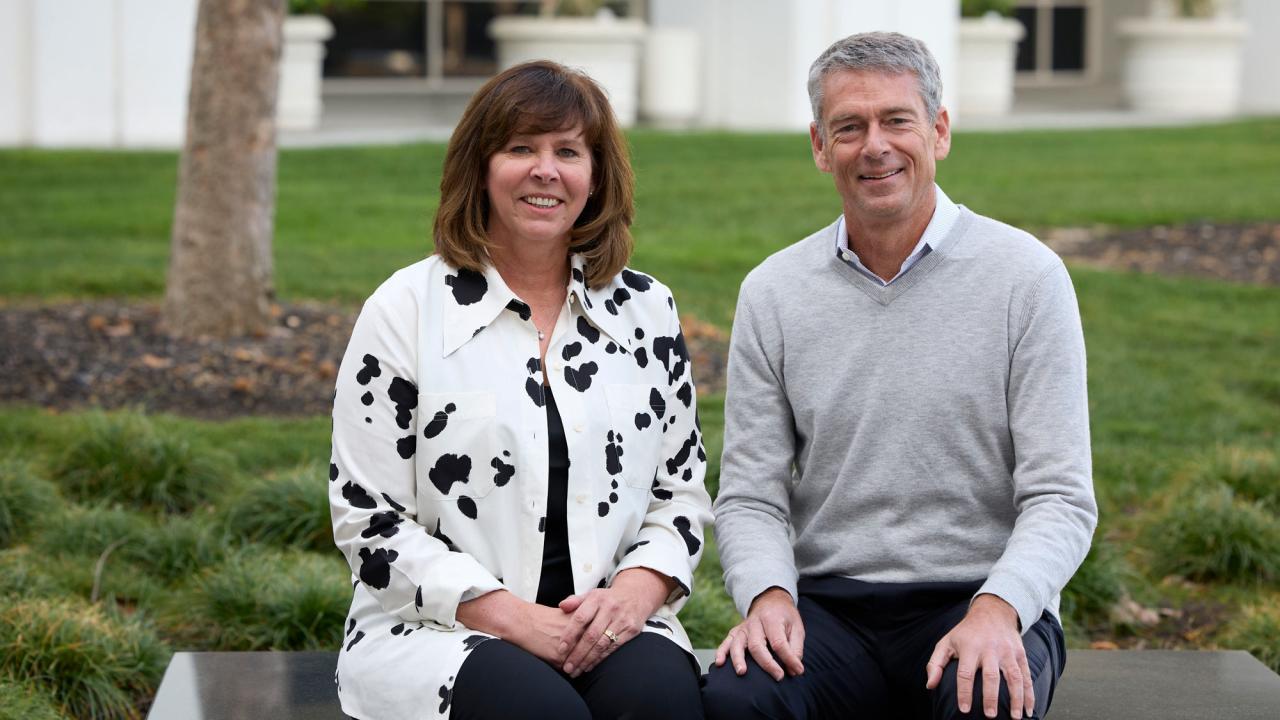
(986, 638)
(772, 623)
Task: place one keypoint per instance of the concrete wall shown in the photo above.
(15, 71)
(1260, 91)
(94, 73)
(156, 44)
(756, 53)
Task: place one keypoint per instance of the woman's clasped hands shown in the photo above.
(602, 620)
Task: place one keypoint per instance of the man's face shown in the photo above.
(878, 143)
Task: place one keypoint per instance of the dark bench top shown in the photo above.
(1097, 684)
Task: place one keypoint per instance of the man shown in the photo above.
(906, 483)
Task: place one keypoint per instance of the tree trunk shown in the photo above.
(220, 268)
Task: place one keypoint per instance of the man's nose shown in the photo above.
(877, 143)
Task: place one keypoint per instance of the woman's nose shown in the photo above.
(544, 168)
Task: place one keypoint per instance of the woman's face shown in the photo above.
(538, 186)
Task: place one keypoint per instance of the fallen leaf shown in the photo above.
(122, 329)
(155, 362)
(1103, 645)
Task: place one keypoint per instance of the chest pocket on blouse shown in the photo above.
(636, 413)
(457, 444)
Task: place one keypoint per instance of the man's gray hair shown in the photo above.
(885, 52)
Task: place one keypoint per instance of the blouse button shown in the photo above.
(581, 499)
(577, 427)
(586, 567)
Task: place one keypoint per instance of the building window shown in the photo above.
(1057, 43)
(423, 44)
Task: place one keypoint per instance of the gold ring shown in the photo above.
(613, 638)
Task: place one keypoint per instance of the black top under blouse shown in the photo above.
(556, 583)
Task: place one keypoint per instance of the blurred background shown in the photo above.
(164, 490)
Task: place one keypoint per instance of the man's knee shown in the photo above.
(945, 697)
(728, 696)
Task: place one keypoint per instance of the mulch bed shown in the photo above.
(113, 354)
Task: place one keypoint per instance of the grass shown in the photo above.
(1183, 386)
(710, 205)
(1208, 533)
(266, 599)
(91, 662)
(24, 498)
(124, 457)
(290, 509)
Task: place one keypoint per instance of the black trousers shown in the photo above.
(866, 645)
(648, 677)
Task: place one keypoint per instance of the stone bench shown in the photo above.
(1098, 684)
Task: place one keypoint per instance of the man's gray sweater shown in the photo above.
(936, 429)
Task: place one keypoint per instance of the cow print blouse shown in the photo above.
(438, 480)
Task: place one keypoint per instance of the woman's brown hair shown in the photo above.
(533, 98)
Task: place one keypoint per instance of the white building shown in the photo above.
(114, 73)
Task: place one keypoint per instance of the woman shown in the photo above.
(517, 467)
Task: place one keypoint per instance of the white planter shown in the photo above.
(988, 47)
(1183, 66)
(299, 104)
(606, 48)
(669, 83)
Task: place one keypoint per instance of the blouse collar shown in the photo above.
(479, 298)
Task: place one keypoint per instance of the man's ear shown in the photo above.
(942, 128)
(817, 144)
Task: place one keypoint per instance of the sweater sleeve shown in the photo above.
(753, 505)
(372, 489)
(1052, 475)
(670, 540)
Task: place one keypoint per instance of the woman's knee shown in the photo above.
(499, 680)
(649, 677)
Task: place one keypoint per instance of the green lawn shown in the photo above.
(1184, 389)
(710, 206)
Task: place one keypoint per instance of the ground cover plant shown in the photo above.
(174, 533)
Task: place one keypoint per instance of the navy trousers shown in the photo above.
(648, 677)
(866, 645)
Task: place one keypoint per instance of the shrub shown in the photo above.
(290, 510)
(24, 498)
(24, 573)
(89, 530)
(1098, 584)
(1207, 533)
(125, 458)
(69, 552)
(18, 702)
(268, 600)
(1257, 630)
(177, 547)
(1252, 474)
(93, 663)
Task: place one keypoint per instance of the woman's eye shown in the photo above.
(568, 152)
(521, 149)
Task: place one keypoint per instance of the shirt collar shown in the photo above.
(489, 296)
(945, 214)
(600, 305)
(477, 299)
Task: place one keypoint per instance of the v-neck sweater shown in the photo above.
(935, 429)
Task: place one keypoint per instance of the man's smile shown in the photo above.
(883, 176)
